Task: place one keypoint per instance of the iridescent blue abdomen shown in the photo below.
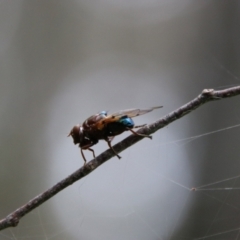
(122, 124)
(126, 121)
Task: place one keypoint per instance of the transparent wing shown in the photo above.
(106, 119)
(133, 112)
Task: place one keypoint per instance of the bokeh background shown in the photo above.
(62, 61)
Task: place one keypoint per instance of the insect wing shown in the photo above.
(116, 116)
(133, 112)
(102, 120)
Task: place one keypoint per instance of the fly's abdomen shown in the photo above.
(118, 127)
(126, 122)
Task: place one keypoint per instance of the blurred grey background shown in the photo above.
(62, 61)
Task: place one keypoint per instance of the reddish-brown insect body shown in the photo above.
(104, 127)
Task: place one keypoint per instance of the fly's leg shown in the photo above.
(90, 149)
(139, 126)
(85, 161)
(139, 134)
(110, 146)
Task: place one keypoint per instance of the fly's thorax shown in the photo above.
(93, 120)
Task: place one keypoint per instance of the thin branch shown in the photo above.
(206, 96)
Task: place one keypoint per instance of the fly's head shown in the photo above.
(77, 134)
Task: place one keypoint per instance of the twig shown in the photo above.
(206, 96)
